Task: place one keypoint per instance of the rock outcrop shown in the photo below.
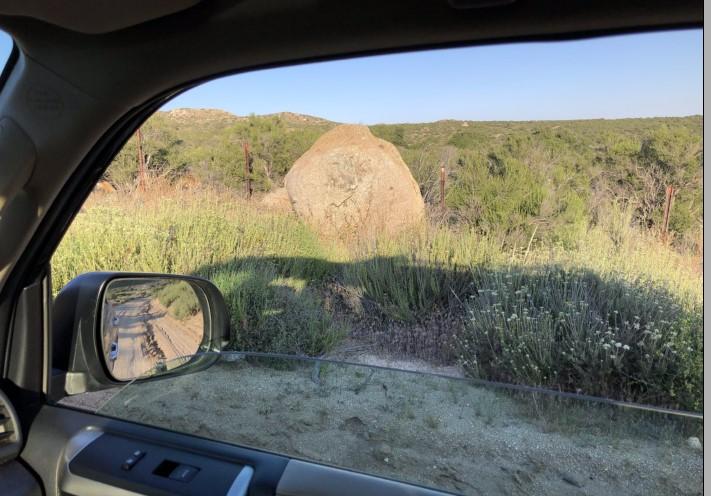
(351, 184)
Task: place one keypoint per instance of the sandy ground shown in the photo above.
(440, 432)
(367, 356)
(141, 320)
(176, 338)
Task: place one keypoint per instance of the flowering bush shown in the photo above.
(573, 331)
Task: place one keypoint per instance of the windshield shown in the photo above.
(454, 434)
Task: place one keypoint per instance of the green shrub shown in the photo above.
(574, 331)
(404, 289)
(273, 314)
(412, 276)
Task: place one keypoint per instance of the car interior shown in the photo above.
(81, 78)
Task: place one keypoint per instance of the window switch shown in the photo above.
(184, 473)
(132, 460)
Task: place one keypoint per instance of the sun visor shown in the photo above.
(95, 16)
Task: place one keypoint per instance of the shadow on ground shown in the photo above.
(567, 329)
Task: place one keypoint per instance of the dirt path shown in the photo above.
(445, 433)
(176, 338)
(147, 334)
(132, 339)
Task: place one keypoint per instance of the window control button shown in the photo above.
(184, 473)
(132, 460)
(129, 463)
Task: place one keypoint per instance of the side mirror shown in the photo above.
(111, 328)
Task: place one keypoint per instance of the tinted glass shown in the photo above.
(446, 433)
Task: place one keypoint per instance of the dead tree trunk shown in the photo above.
(668, 203)
(247, 169)
(141, 162)
(442, 179)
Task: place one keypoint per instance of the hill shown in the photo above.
(509, 179)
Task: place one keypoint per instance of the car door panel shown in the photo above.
(79, 453)
(58, 434)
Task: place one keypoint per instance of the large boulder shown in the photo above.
(352, 184)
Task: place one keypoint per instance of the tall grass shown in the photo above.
(181, 234)
(416, 273)
(248, 253)
(276, 274)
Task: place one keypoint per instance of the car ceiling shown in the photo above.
(83, 65)
(95, 16)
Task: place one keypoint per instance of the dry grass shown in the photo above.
(274, 271)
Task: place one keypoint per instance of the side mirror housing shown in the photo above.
(109, 328)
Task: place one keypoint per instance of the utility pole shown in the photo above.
(141, 162)
(442, 179)
(668, 203)
(247, 169)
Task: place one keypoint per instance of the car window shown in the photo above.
(438, 431)
(436, 228)
(5, 47)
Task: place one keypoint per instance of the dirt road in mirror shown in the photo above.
(146, 334)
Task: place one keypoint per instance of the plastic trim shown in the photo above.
(241, 484)
(308, 479)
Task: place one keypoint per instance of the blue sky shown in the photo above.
(644, 75)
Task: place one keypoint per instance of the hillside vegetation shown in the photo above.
(504, 179)
(547, 267)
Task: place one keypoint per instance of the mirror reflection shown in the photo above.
(148, 323)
